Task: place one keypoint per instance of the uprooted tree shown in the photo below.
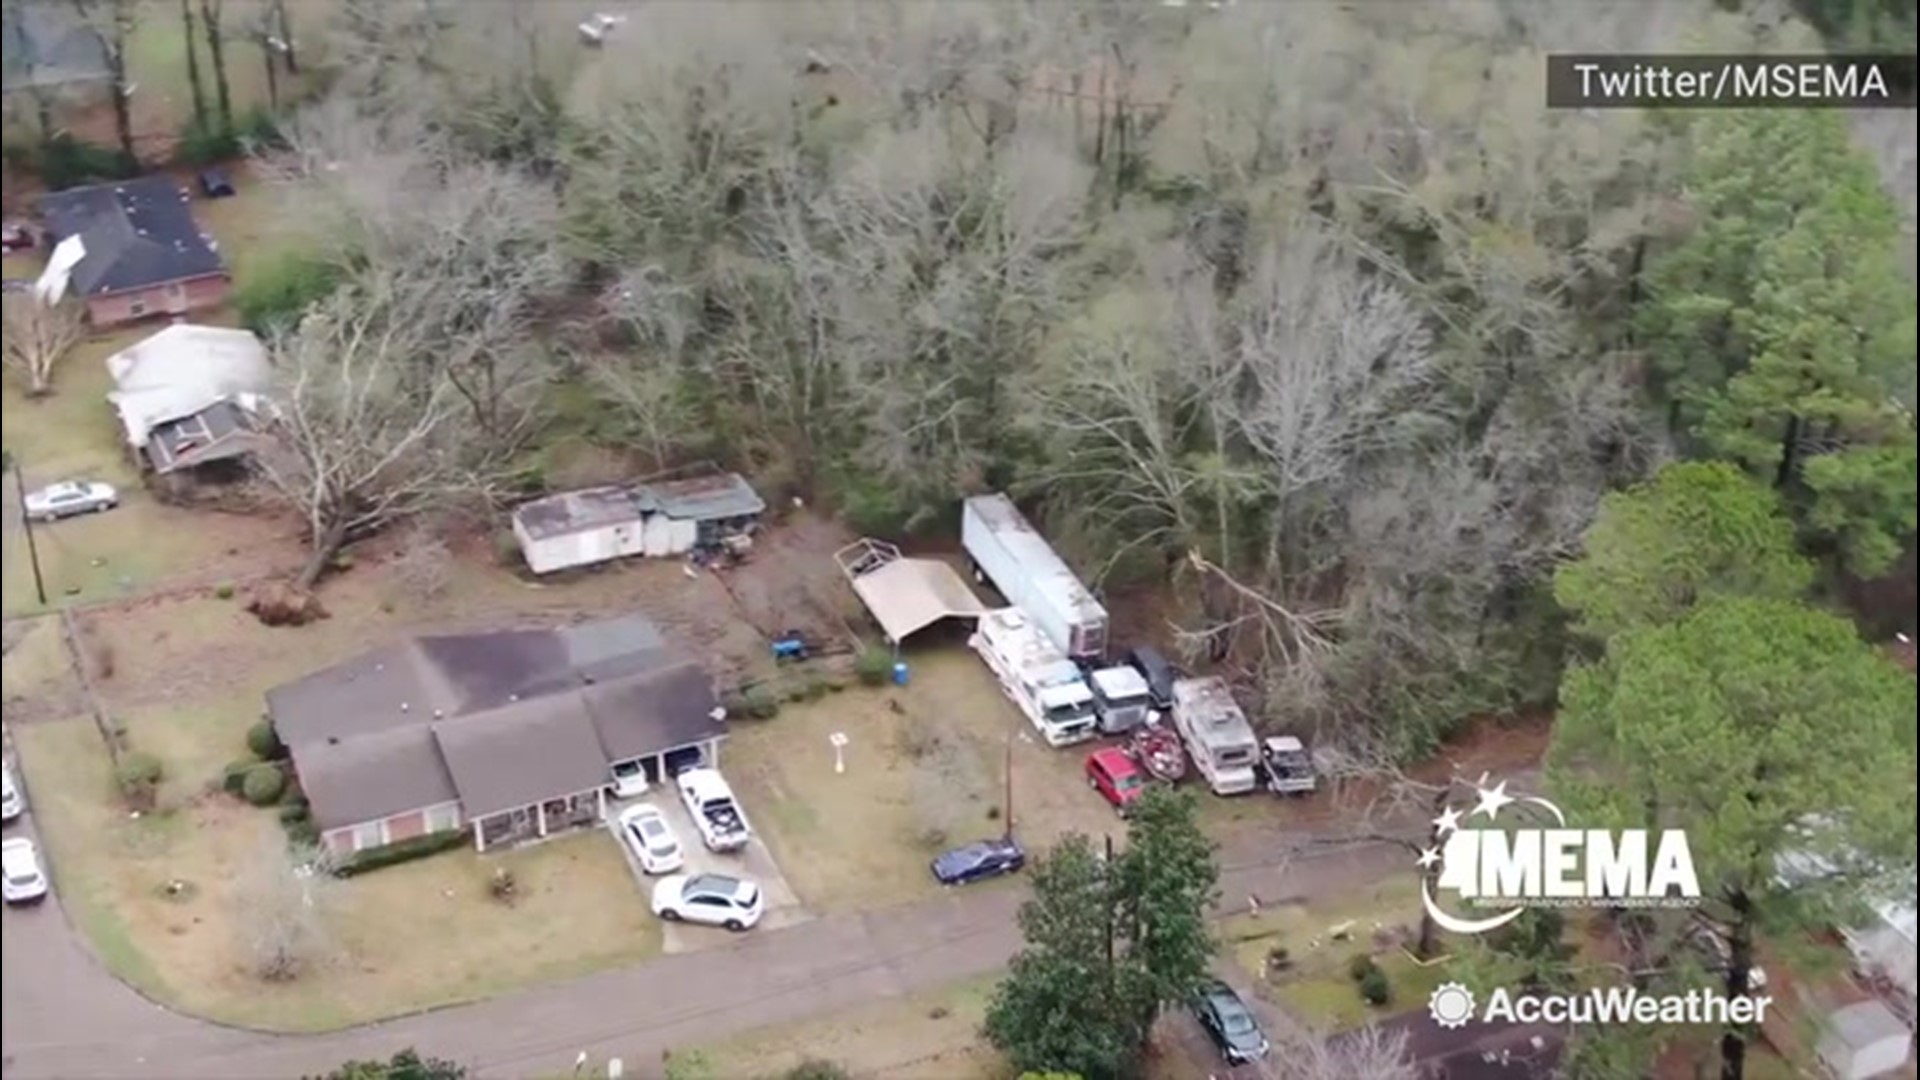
(39, 335)
(368, 432)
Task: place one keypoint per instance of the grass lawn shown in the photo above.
(931, 1035)
(1318, 988)
(397, 940)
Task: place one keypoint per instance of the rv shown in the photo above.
(1046, 686)
(1217, 734)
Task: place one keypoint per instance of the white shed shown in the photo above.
(580, 528)
(1864, 1040)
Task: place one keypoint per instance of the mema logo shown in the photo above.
(1517, 868)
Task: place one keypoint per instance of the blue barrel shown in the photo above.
(899, 673)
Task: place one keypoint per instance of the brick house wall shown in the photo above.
(407, 825)
(173, 298)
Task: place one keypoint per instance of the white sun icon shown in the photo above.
(1451, 1005)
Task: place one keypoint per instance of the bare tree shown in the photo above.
(211, 13)
(1368, 1051)
(189, 40)
(285, 897)
(114, 21)
(366, 434)
(39, 334)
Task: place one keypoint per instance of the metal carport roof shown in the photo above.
(906, 595)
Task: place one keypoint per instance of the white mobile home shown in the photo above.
(594, 525)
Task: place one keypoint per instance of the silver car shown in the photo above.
(25, 882)
(56, 501)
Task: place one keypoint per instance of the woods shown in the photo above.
(1344, 363)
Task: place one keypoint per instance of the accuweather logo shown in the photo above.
(1484, 864)
(1454, 1006)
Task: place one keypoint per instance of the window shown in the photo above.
(369, 835)
(443, 818)
(136, 307)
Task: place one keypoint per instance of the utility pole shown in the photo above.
(1008, 781)
(26, 523)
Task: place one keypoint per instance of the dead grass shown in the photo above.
(402, 939)
(932, 1036)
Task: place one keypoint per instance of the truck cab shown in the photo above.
(1121, 699)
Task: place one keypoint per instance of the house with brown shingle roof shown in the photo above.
(513, 734)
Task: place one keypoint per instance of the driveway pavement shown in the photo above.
(66, 1017)
(756, 862)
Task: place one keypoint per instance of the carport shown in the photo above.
(905, 595)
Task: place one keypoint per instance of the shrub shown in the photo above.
(233, 778)
(815, 689)
(815, 1069)
(204, 144)
(264, 784)
(874, 665)
(265, 742)
(759, 703)
(295, 810)
(506, 547)
(139, 774)
(1358, 967)
(1374, 988)
(504, 887)
(223, 591)
(259, 130)
(276, 295)
(301, 833)
(418, 847)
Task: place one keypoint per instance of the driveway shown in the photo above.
(755, 861)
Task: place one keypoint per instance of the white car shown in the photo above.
(24, 881)
(629, 781)
(55, 501)
(11, 802)
(714, 899)
(645, 831)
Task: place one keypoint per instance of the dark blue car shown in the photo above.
(979, 860)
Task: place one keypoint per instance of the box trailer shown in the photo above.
(1007, 551)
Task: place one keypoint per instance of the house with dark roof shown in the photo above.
(129, 250)
(44, 46)
(513, 734)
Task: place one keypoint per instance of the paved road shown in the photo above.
(65, 1017)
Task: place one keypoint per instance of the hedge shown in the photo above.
(264, 784)
(874, 666)
(265, 742)
(418, 847)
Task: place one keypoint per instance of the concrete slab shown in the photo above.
(754, 861)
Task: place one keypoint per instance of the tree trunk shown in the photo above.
(1733, 1043)
(193, 65)
(325, 547)
(284, 30)
(1789, 454)
(273, 73)
(216, 48)
(122, 102)
(1428, 946)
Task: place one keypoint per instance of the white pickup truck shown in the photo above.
(722, 824)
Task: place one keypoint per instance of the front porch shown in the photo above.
(527, 824)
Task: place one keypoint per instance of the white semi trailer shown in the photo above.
(1008, 552)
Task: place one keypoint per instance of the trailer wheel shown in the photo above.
(979, 575)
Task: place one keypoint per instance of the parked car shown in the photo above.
(978, 861)
(645, 831)
(629, 781)
(714, 899)
(56, 501)
(20, 873)
(710, 802)
(11, 802)
(15, 236)
(1118, 778)
(1158, 671)
(1230, 1024)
